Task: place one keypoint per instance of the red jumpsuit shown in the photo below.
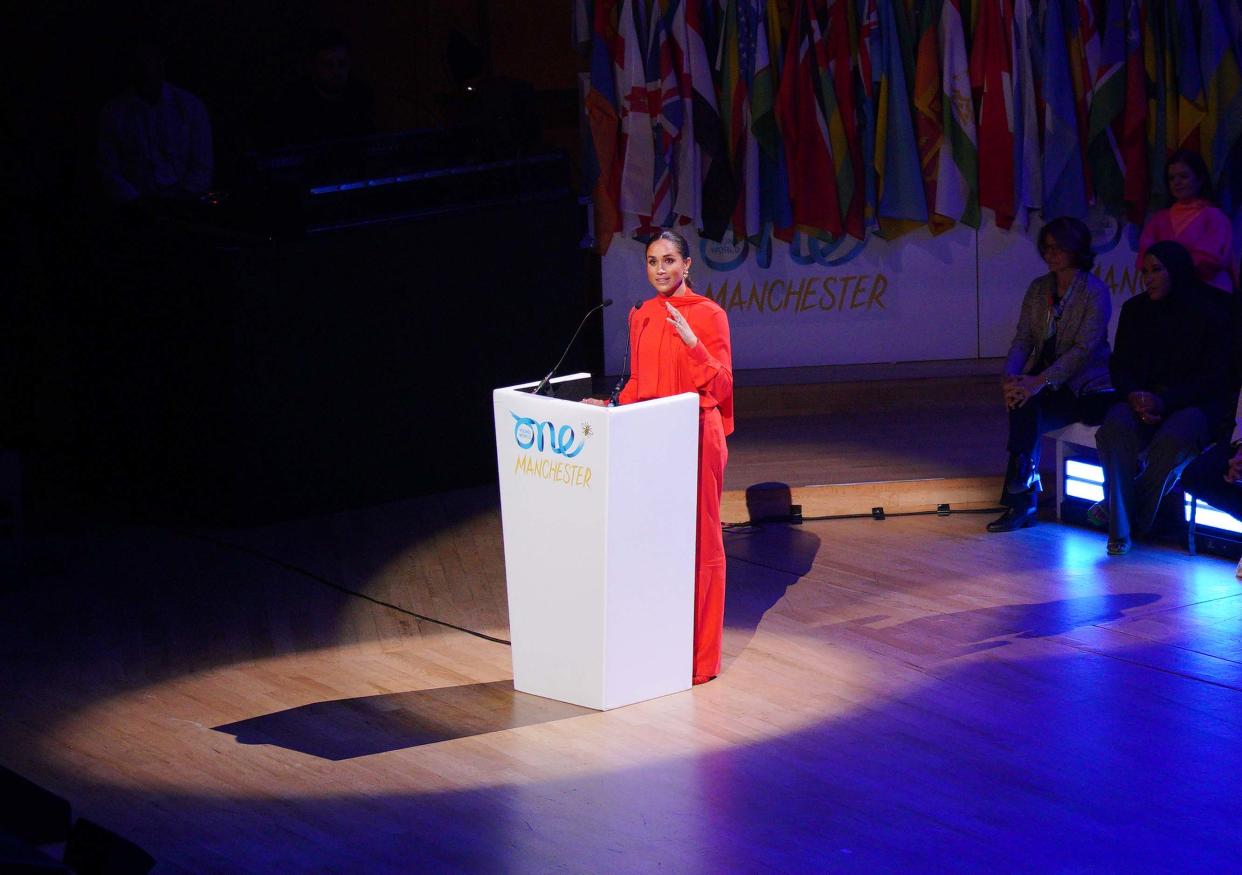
(662, 365)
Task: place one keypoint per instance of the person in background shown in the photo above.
(1170, 368)
(679, 342)
(1057, 369)
(154, 138)
(328, 103)
(1192, 221)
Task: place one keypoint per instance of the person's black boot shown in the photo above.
(1021, 479)
(1020, 474)
(1013, 518)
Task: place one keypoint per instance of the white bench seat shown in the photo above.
(1076, 434)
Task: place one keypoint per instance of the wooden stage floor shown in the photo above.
(909, 695)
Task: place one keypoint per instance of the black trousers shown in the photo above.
(1142, 462)
(1204, 478)
(1048, 410)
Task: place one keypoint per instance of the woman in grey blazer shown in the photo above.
(1057, 369)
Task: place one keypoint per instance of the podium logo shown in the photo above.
(529, 433)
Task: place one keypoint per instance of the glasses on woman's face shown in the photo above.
(1049, 248)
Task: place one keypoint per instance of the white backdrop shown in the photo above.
(916, 298)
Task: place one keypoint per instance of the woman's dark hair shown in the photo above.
(1177, 263)
(1072, 236)
(683, 248)
(1194, 161)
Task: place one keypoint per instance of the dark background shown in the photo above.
(228, 370)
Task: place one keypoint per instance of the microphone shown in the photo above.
(607, 302)
(625, 365)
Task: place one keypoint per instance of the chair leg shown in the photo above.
(1190, 525)
(1060, 496)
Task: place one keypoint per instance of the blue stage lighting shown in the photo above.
(1084, 480)
(1208, 517)
(1080, 470)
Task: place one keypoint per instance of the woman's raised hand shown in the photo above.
(678, 321)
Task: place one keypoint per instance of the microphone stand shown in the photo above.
(625, 366)
(544, 382)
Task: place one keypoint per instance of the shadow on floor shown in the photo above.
(960, 633)
(764, 560)
(343, 729)
(766, 557)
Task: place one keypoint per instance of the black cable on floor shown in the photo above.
(736, 527)
(864, 516)
(289, 566)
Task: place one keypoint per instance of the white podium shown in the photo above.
(598, 511)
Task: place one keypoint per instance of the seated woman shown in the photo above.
(1057, 369)
(1192, 221)
(1170, 368)
(1216, 476)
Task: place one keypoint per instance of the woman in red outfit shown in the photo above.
(679, 342)
(1192, 221)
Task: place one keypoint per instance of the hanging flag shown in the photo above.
(719, 195)
(1132, 132)
(928, 106)
(774, 207)
(868, 74)
(991, 74)
(736, 62)
(1161, 101)
(688, 179)
(1232, 13)
(637, 120)
(839, 27)
(824, 87)
(1082, 48)
(704, 161)
(1191, 104)
(1222, 80)
(957, 175)
(970, 20)
(904, 13)
(665, 100)
(1064, 189)
(815, 205)
(1108, 100)
(583, 32)
(602, 160)
(901, 205)
(1028, 187)
(1091, 43)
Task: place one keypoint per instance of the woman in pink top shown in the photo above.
(1192, 221)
